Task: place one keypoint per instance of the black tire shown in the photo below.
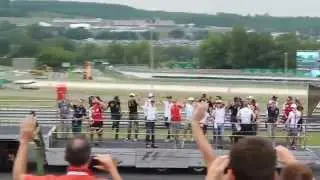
(198, 169)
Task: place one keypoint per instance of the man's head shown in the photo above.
(78, 152)
(252, 158)
(289, 99)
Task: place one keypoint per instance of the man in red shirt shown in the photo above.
(286, 108)
(176, 124)
(78, 155)
(96, 117)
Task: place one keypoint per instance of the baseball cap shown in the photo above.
(132, 95)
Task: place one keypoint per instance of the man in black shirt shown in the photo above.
(115, 109)
(79, 114)
(273, 114)
(234, 108)
(133, 117)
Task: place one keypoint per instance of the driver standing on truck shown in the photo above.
(96, 117)
(79, 114)
(64, 107)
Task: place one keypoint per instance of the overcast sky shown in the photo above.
(272, 7)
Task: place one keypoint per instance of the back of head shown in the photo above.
(296, 172)
(253, 158)
(78, 151)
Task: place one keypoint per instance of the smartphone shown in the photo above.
(93, 162)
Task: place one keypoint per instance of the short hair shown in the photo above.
(253, 158)
(296, 172)
(78, 151)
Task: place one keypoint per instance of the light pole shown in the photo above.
(286, 64)
(286, 70)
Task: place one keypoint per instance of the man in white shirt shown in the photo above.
(245, 116)
(219, 115)
(188, 110)
(167, 116)
(150, 124)
(292, 124)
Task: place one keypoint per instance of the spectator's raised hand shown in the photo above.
(285, 156)
(199, 111)
(27, 129)
(217, 168)
(106, 163)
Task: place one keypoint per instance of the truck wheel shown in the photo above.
(162, 170)
(198, 169)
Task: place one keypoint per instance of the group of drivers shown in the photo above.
(244, 116)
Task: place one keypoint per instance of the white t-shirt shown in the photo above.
(245, 115)
(167, 109)
(188, 109)
(151, 113)
(219, 115)
(293, 119)
(145, 107)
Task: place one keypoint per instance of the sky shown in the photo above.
(244, 7)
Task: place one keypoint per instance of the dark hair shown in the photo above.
(290, 98)
(296, 172)
(253, 158)
(33, 113)
(78, 151)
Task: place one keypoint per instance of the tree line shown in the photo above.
(233, 50)
(261, 23)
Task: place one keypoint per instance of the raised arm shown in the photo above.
(202, 142)
(26, 135)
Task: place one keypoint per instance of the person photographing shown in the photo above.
(77, 154)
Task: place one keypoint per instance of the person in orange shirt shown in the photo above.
(176, 123)
(77, 154)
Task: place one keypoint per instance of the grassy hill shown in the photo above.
(113, 11)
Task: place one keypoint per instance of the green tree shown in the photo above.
(4, 47)
(54, 57)
(177, 34)
(78, 33)
(38, 32)
(115, 53)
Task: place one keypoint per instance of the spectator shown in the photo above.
(115, 109)
(64, 107)
(234, 108)
(273, 114)
(167, 116)
(79, 114)
(133, 117)
(96, 117)
(77, 154)
(176, 123)
(219, 115)
(245, 116)
(251, 158)
(292, 124)
(188, 109)
(150, 124)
